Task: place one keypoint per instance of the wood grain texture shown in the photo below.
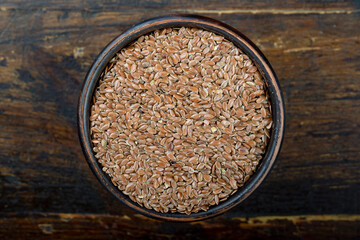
(90, 226)
(46, 48)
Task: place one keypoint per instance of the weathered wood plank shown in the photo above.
(43, 74)
(199, 6)
(87, 226)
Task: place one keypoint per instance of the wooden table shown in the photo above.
(47, 190)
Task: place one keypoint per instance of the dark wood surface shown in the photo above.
(47, 190)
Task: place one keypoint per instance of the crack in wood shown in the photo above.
(270, 11)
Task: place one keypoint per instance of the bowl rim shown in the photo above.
(241, 41)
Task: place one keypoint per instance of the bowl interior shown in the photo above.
(242, 43)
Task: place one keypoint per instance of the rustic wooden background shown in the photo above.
(47, 190)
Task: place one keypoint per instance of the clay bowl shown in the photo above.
(241, 42)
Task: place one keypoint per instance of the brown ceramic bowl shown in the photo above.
(241, 42)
